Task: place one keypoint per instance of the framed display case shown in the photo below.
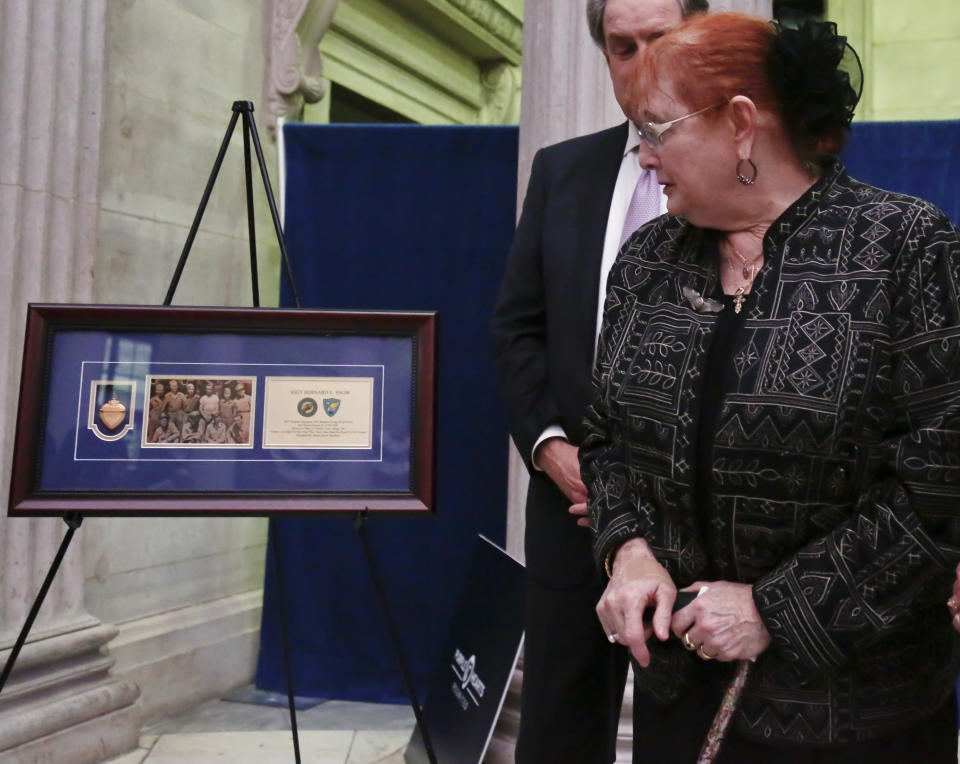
(129, 410)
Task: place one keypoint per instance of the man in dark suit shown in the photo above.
(584, 198)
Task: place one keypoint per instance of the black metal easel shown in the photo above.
(74, 519)
(249, 130)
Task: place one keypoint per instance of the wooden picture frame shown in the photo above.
(329, 411)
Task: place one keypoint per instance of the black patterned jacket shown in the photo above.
(836, 464)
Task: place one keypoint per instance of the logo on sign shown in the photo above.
(331, 405)
(469, 686)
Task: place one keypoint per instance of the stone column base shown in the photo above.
(186, 656)
(61, 704)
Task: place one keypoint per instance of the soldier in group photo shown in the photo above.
(174, 402)
(166, 431)
(192, 430)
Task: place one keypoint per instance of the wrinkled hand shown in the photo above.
(953, 604)
(723, 621)
(638, 582)
(561, 462)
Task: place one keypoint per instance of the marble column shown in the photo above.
(566, 92)
(61, 704)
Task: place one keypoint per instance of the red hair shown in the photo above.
(709, 59)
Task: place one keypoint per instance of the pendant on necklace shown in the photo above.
(749, 266)
(738, 300)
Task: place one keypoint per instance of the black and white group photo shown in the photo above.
(188, 411)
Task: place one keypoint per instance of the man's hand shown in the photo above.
(581, 513)
(560, 461)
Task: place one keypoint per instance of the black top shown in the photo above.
(718, 366)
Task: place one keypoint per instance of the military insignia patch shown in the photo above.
(307, 407)
(331, 406)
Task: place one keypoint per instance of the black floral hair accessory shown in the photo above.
(817, 74)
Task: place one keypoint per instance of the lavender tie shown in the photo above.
(644, 205)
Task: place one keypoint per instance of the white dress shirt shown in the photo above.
(627, 178)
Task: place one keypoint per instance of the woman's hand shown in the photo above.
(722, 623)
(638, 582)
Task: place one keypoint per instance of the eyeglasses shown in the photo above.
(652, 132)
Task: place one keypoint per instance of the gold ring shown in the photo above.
(704, 654)
(687, 642)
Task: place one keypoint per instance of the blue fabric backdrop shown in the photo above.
(398, 218)
(919, 158)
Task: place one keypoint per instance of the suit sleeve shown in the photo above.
(520, 324)
(895, 555)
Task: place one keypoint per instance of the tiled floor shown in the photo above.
(334, 732)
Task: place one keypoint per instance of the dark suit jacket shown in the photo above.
(543, 327)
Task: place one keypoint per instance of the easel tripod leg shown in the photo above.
(73, 521)
(360, 525)
(271, 202)
(251, 225)
(200, 210)
(284, 635)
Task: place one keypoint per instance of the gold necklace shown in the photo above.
(749, 266)
(748, 272)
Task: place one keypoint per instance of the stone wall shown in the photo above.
(62, 703)
(438, 62)
(903, 54)
(113, 115)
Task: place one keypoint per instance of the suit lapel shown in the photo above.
(593, 209)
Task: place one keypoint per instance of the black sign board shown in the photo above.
(471, 682)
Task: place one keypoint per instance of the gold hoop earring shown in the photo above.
(744, 179)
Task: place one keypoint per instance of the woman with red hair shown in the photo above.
(777, 421)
